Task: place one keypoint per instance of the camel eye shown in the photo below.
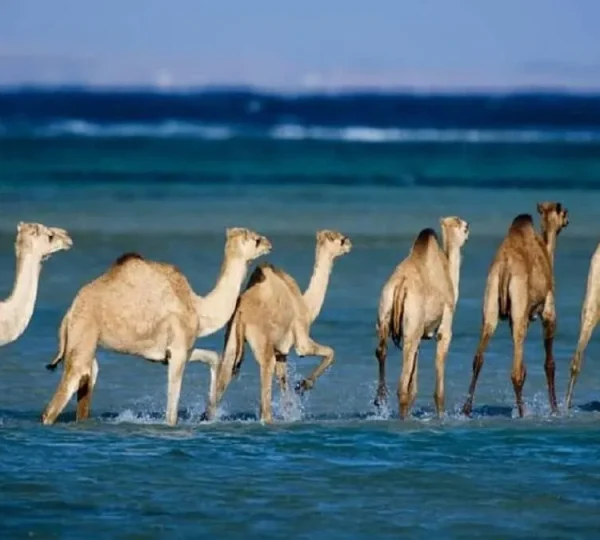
(51, 237)
(257, 242)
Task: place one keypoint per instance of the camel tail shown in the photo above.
(503, 296)
(397, 313)
(62, 344)
(233, 355)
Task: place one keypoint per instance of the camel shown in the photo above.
(590, 316)
(34, 244)
(520, 287)
(418, 302)
(273, 316)
(147, 309)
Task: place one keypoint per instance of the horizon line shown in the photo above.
(439, 90)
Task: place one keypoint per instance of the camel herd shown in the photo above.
(148, 309)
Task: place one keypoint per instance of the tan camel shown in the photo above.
(273, 316)
(590, 316)
(418, 302)
(520, 286)
(34, 244)
(147, 309)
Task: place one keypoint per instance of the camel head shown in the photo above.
(333, 243)
(455, 230)
(41, 240)
(554, 216)
(246, 243)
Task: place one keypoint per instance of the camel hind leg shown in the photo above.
(412, 385)
(307, 347)
(382, 329)
(281, 372)
(85, 392)
(588, 323)
(77, 372)
(409, 358)
(489, 324)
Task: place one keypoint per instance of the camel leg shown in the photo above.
(412, 385)
(409, 357)
(68, 385)
(381, 355)
(585, 334)
(281, 372)
(549, 327)
(85, 392)
(176, 368)
(212, 359)
(382, 329)
(308, 347)
(267, 366)
(444, 337)
(488, 327)
(519, 322)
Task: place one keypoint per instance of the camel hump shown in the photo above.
(129, 256)
(522, 221)
(424, 239)
(258, 275)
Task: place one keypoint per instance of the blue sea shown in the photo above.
(164, 174)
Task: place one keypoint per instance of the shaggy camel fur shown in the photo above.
(34, 244)
(418, 302)
(590, 315)
(147, 309)
(274, 316)
(520, 286)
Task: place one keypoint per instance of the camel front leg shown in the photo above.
(444, 338)
(519, 322)
(549, 327)
(588, 323)
(85, 392)
(176, 368)
(309, 347)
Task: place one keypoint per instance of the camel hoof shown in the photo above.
(303, 386)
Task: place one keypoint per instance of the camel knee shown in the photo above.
(477, 363)
(381, 351)
(518, 378)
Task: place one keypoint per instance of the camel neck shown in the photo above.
(550, 241)
(314, 296)
(216, 308)
(454, 259)
(16, 311)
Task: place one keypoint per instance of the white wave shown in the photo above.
(362, 134)
(166, 129)
(367, 134)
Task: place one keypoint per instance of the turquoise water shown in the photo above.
(330, 466)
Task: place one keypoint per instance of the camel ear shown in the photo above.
(232, 231)
(541, 207)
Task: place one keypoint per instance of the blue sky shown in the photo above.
(309, 43)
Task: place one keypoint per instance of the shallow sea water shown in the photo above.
(331, 466)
